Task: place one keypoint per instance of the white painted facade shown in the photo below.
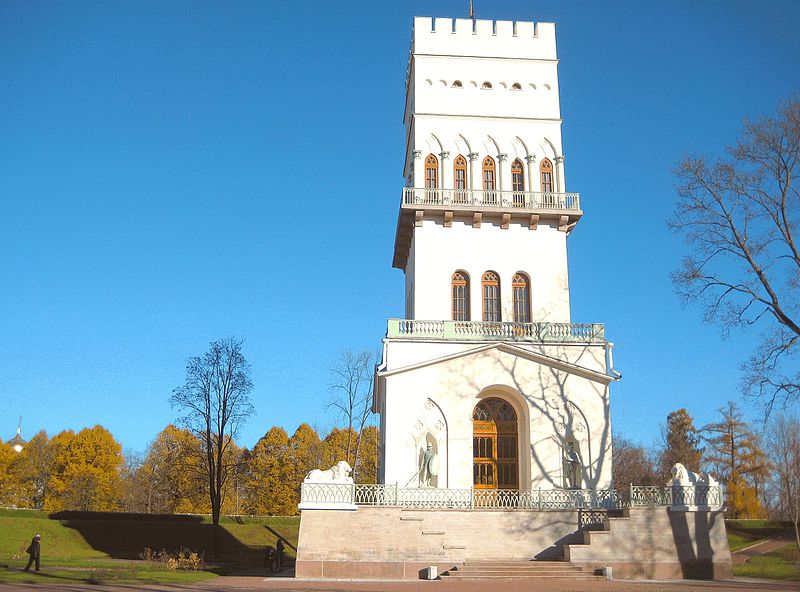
(479, 89)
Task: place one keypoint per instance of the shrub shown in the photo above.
(185, 559)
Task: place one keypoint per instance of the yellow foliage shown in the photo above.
(173, 474)
(85, 472)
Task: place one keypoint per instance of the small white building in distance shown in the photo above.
(487, 366)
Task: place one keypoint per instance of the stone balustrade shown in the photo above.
(489, 331)
(492, 199)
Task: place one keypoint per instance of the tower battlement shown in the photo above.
(484, 38)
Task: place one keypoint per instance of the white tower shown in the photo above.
(487, 367)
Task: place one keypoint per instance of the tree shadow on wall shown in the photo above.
(693, 542)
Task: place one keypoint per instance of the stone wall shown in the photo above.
(395, 543)
(659, 543)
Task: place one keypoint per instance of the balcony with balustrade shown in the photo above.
(490, 331)
(529, 208)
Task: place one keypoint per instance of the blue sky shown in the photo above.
(176, 172)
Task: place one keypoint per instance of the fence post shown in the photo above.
(396, 493)
(540, 497)
(630, 495)
(471, 498)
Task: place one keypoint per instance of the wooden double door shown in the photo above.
(495, 446)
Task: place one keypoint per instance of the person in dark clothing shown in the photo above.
(279, 552)
(34, 551)
(271, 559)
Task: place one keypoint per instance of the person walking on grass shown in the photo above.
(34, 551)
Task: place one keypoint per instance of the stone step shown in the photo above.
(512, 576)
(521, 569)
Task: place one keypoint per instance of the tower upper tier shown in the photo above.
(484, 172)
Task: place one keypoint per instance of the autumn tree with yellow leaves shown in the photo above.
(85, 473)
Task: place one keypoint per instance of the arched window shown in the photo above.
(516, 86)
(491, 297)
(431, 178)
(460, 178)
(546, 174)
(489, 184)
(522, 298)
(486, 85)
(518, 183)
(460, 283)
(431, 172)
(456, 84)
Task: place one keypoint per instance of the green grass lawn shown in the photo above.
(743, 533)
(105, 547)
(781, 564)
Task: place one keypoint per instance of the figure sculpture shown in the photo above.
(572, 466)
(430, 466)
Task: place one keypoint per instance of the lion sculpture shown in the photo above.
(338, 473)
(682, 476)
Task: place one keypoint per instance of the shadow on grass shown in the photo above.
(125, 536)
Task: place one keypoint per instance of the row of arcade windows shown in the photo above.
(489, 174)
(490, 293)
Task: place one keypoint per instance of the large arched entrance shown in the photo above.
(494, 445)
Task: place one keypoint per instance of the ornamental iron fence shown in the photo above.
(493, 499)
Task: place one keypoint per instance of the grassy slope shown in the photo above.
(743, 533)
(781, 564)
(78, 543)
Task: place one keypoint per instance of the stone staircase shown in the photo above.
(471, 570)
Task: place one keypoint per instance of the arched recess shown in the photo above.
(513, 398)
(430, 427)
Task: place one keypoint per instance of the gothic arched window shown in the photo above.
(460, 178)
(489, 179)
(460, 285)
(546, 174)
(491, 297)
(518, 183)
(431, 172)
(521, 286)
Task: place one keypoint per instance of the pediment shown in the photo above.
(513, 350)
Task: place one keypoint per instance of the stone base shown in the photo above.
(395, 543)
(366, 570)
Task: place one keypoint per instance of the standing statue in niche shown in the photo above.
(430, 466)
(572, 467)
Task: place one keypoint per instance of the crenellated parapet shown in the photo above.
(484, 38)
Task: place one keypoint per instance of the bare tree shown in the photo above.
(216, 402)
(784, 444)
(631, 464)
(351, 397)
(739, 215)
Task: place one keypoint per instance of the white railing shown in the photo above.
(674, 495)
(472, 198)
(483, 330)
(533, 499)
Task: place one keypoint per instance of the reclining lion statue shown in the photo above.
(338, 473)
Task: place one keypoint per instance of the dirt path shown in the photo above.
(746, 554)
